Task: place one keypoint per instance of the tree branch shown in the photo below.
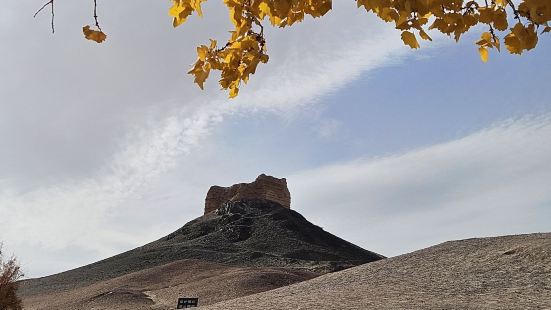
(51, 4)
(96, 14)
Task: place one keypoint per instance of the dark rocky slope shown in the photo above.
(243, 233)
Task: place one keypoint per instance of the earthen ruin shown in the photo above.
(263, 188)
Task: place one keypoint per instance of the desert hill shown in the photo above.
(511, 272)
(251, 251)
(160, 287)
(249, 244)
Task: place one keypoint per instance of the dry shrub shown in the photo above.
(10, 273)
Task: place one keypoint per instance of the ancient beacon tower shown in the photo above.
(264, 187)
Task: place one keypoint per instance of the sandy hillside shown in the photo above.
(160, 287)
(512, 272)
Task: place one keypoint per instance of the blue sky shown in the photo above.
(431, 97)
(105, 148)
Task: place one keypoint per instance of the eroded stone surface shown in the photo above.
(263, 188)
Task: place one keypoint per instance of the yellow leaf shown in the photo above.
(234, 91)
(500, 20)
(176, 9)
(94, 35)
(323, 7)
(282, 7)
(401, 22)
(410, 40)
(236, 15)
(365, 4)
(264, 9)
(538, 11)
(388, 14)
(264, 58)
(531, 39)
(201, 72)
(497, 44)
(485, 39)
(180, 10)
(212, 44)
(486, 15)
(202, 52)
(486, 36)
(483, 54)
(424, 35)
(196, 4)
(201, 77)
(513, 44)
(521, 38)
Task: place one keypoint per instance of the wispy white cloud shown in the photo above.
(75, 213)
(327, 128)
(492, 182)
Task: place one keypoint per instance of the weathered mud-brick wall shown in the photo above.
(263, 188)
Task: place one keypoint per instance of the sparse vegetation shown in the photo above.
(10, 272)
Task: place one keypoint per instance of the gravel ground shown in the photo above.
(511, 272)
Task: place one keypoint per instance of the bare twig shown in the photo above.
(515, 11)
(51, 4)
(96, 14)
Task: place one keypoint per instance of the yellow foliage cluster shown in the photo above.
(456, 17)
(237, 60)
(246, 47)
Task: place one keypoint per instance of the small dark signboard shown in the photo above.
(187, 303)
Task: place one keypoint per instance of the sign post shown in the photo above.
(187, 303)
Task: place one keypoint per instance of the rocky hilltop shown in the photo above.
(264, 188)
(246, 231)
